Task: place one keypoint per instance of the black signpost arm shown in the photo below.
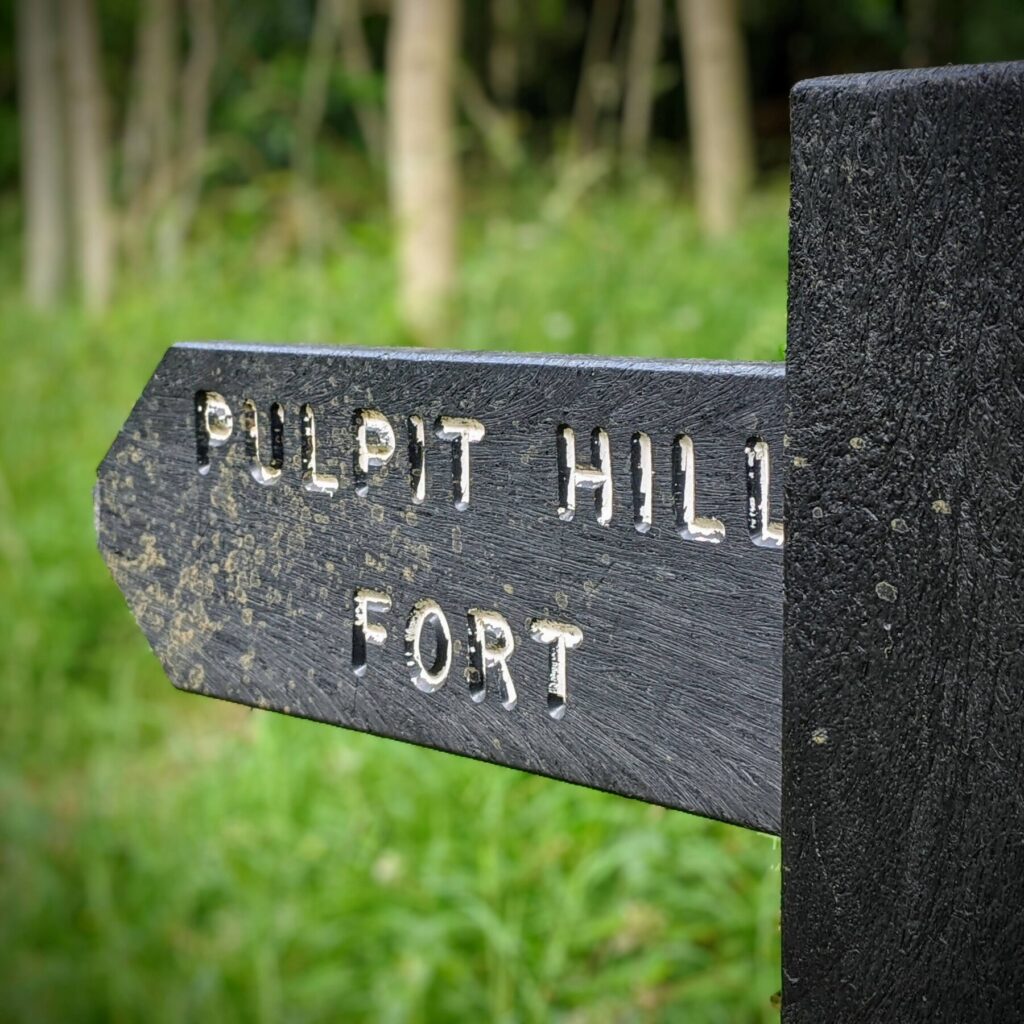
(903, 692)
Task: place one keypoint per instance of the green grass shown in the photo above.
(167, 858)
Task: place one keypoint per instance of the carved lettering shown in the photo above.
(490, 646)
(267, 474)
(365, 632)
(433, 677)
(763, 531)
(559, 638)
(684, 493)
(417, 459)
(596, 477)
(313, 480)
(375, 445)
(462, 433)
(642, 467)
(214, 424)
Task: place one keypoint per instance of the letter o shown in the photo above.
(432, 678)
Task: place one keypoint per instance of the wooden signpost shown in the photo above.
(549, 563)
(575, 566)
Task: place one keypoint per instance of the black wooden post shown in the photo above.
(903, 692)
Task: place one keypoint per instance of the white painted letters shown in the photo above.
(642, 467)
(375, 445)
(365, 632)
(559, 637)
(490, 646)
(763, 531)
(433, 678)
(214, 424)
(462, 433)
(261, 472)
(417, 459)
(313, 481)
(684, 492)
(596, 477)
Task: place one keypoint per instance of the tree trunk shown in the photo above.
(323, 42)
(424, 172)
(195, 88)
(89, 152)
(716, 91)
(147, 144)
(596, 76)
(148, 134)
(358, 65)
(503, 53)
(644, 44)
(42, 160)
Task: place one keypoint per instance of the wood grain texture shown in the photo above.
(903, 722)
(246, 592)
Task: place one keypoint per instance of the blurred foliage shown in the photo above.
(263, 46)
(163, 858)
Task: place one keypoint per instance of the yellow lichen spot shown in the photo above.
(148, 558)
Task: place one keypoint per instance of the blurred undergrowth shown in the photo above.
(163, 858)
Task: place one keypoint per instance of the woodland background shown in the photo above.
(561, 175)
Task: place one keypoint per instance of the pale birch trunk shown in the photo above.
(42, 152)
(644, 45)
(720, 130)
(89, 156)
(422, 159)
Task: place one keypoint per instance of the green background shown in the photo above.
(169, 858)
